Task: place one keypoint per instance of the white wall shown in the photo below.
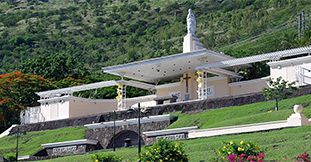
(70, 106)
(169, 89)
(55, 110)
(293, 70)
(249, 86)
(143, 100)
(288, 73)
(82, 107)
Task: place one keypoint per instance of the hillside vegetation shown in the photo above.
(68, 41)
(75, 38)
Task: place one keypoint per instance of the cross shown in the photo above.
(187, 78)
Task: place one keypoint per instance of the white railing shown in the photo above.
(304, 75)
(257, 58)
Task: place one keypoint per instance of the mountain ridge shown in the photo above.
(91, 34)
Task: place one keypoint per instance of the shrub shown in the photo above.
(304, 157)
(243, 151)
(165, 151)
(10, 157)
(106, 158)
(278, 89)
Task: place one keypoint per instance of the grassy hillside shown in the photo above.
(31, 142)
(251, 113)
(282, 145)
(245, 114)
(94, 33)
(69, 41)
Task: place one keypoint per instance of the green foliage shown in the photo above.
(106, 158)
(57, 66)
(165, 151)
(75, 39)
(98, 33)
(241, 150)
(278, 89)
(10, 157)
(258, 70)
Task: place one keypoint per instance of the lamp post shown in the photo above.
(18, 132)
(138, 112)
(17, 135)
(139, 140)
(114, 131)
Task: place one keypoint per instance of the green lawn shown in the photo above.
(278, 145)
(251, 113)
(245, 114)
(31, 142)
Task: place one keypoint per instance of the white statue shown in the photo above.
(191, 24)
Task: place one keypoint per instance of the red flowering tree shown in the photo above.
(17, 91)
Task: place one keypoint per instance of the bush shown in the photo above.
(165, 151)
(304, 157)
(106, 158)
(243, 151)
(10, 157)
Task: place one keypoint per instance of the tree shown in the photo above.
(258, 70)
(57, 66)
(17, 92)
(278, 89)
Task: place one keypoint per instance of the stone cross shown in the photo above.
(191, 23)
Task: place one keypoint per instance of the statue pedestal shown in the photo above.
(297, 118)
(191, 43)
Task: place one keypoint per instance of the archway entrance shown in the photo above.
(125, 138)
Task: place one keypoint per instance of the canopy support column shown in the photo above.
(202, 84)
(121, 91)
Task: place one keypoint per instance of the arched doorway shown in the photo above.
(126, 137)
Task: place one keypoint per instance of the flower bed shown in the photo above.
(240, 152)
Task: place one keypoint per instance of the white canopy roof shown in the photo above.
(257, 58)
(70, 90)
(167, 67)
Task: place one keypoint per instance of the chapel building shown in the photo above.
(195, 74)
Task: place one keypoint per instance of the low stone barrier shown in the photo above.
(70, 147)
(169, 134)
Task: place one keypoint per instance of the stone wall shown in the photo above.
(189, 106)
(67, 150)
(72, 122)
(172, 137)
(70, 150)
(54, 152)
(104, 135)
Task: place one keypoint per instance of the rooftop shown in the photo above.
(167, 67)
